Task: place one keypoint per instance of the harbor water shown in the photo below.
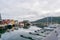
(16, 34)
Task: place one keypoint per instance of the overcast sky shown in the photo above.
(29, 9)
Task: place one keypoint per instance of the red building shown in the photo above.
(6, 21)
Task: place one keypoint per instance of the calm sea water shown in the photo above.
(15, 35)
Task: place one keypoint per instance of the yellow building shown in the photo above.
(12, 22)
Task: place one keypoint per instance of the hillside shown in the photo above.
(44, 20)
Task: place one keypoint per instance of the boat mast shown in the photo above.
(47, 21)
(0, 17)
(51, 19)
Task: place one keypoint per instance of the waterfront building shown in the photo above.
(16, 23)
(12, 22)
(21, 24)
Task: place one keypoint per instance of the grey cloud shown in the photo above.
(22, 8)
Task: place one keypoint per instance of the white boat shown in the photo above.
(49, 33)
(53, 35)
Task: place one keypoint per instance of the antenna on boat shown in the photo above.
(47, 21)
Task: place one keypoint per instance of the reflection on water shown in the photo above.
(0, 35)
(16, 34)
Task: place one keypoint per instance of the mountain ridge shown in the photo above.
(53, 19)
